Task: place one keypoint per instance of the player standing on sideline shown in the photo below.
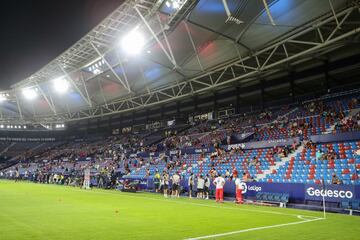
(175, 185)
(17, 175)
(239, 197)
(191, 184)
(157, 178)
(200, 187)
(207, 186)
(166, 183)
(219, 182)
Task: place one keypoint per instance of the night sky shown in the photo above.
(33, 32)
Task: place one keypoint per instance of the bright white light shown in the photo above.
(176, 4)
(3, 98)
(168, 4)
(1, 126)
(61, 85)
(24, 126)
(96, 71)
(29, 93)
(133, 42)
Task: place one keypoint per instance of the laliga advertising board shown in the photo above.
(299, 191)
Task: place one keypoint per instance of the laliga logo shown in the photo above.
(329, 193)
(244, 188)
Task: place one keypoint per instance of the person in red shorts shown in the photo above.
(239, 197)
(219, 183)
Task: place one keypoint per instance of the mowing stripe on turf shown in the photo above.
(192, 203)
(254, 229)
(171, 200)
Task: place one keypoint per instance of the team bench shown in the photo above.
(350, 206)
(274, 198)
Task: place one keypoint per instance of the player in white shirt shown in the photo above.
(200, 187)
(175, 185)
(239, 197)
(219, 183)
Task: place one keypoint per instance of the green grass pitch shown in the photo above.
(33, 211)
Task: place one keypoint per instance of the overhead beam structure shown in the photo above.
(295, 47)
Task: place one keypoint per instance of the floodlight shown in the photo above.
(30, 93)
(133, 42)
(176, 4)
(96, 71)
(61, 85)
(168, 4)
(1, 126)
(3, 97)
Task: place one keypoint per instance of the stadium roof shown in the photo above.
(200, 46)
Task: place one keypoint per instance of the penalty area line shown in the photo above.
(254, 229)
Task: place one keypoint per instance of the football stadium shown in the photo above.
(187, 119)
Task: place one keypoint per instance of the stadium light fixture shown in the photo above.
(175, 4)
(133, 42)
(29, 93)
(3, 97)
(61, 85)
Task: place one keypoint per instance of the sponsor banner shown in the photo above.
(9, 139)
(183, 151)
(298, 192)
(338, 137)
(270, 143)
(295, 190)
(241, 137)
(331, 193)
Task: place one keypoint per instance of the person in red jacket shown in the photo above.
(234, 173)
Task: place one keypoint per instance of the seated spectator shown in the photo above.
(335, 179)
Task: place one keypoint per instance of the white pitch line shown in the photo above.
(253, 229)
